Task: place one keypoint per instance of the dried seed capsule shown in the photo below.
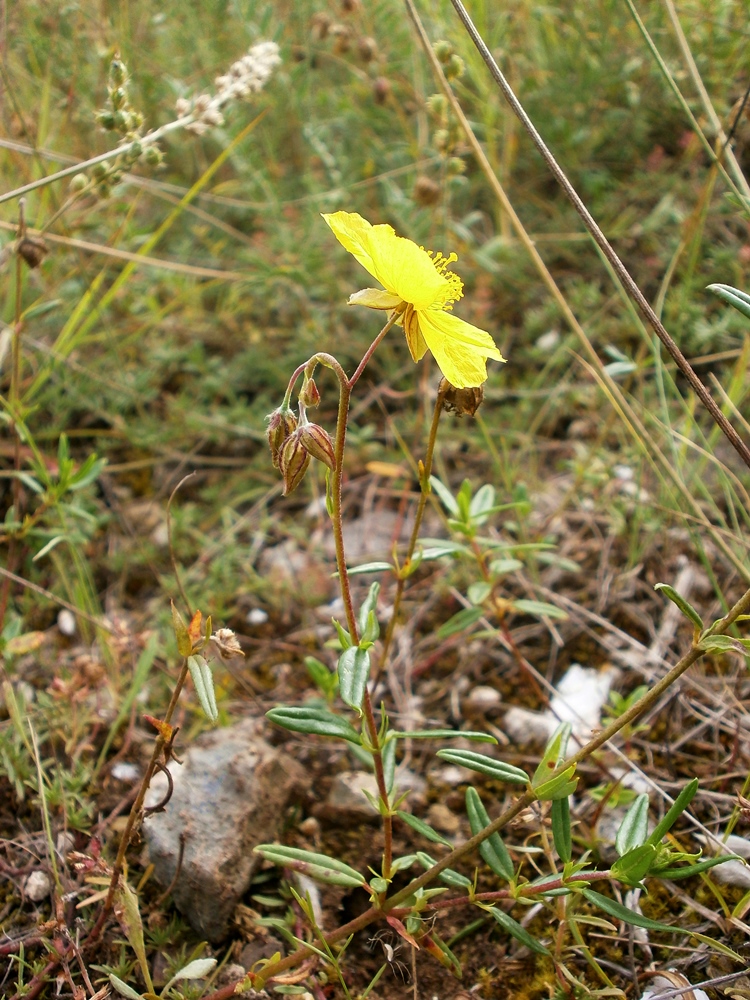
(281, 423)
(318, 442)
(33, 250)
(310, 394)
(461, 401)
(294, 459)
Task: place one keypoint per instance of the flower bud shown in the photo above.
(426, 191)
(281, 423)
(443, 50)
(454, 68)
(33, 250)
(318, 442)
(310, 394)
(294, 459)
(381, 89)
(78, 183)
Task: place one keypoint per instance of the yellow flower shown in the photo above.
(419, 284)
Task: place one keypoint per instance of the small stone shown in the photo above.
(257, 616)
(37, 886)
(347, 794)
(483, 698)
(310, 827)
(125, 771)
(548, 341)
(231, 973)
(453, 775)
(229, 796)
(66, 622)
(260, 948)
(440, 816)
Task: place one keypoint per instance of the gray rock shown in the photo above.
(229, 796)
(347, 801)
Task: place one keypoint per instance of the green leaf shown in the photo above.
(540, 609)
(454, 879)
(322, 677)
(446, 497)
(635, 865)
(740, 300)
(485, 765)
(443, 734)
(479, 592)
(633, 830)
(554, 754)
(437, 548)
(688, 870)
(318, 721)
(515, 930)
(677, 808)
(193, 970)
(685, 607)
(388, 756)
(344, 638)
(423, 829)
(371, 567)
(203, 680)
(724, 644)
(129, 916)
(493, 851)
(560, 787)
(459, 622)
(499, 567)
(354, 671)
(318, 866)
(88, 473)
(402, 863)
(560, 814)
(482, 503)
(123, 989)
(369, 607)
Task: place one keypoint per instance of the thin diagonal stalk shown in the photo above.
(602, 242)
(424, 483)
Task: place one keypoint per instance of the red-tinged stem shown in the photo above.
(135, 811)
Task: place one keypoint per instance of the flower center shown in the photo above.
(454, 289)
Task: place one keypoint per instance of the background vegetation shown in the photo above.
(161, 368)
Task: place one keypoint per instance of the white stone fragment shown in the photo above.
(66, 622)
(37, 886)
(483, 698)
(125, 771)
(257, 616)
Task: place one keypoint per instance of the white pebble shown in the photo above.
(548, 341)
(66, 622)
(257, 616)
(124, 771)
(37, 886)
(484, 697)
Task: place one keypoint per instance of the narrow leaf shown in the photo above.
(454, 879)
(685, 607)
(317, 721)
(515, 930)
(740, 300)
(635, 865)
(493, 851)
(369, 605)
(424, 829)
(485, 765)
(317, 866)
(677, 808)
(540, 609)
(123, 989)
(633, 830)
(354, 671)
(561, 829)
(443, 734)
(459, 622)
(446, 497)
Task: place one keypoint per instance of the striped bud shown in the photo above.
(294, 459)
(281, 423)
(318, 442)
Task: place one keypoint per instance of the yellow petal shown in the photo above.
(459, 348)
(402, 267)
(414, 338)
(375, 298)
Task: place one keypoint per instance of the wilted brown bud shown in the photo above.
(320, 25)
(310, 394)
(426, 191)
(318, 442)
(342, 38)
(461, 401)
(368, 48)
(281, 423)
(294, 459)
(33, 250)
(225, 644)
(381, 88)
